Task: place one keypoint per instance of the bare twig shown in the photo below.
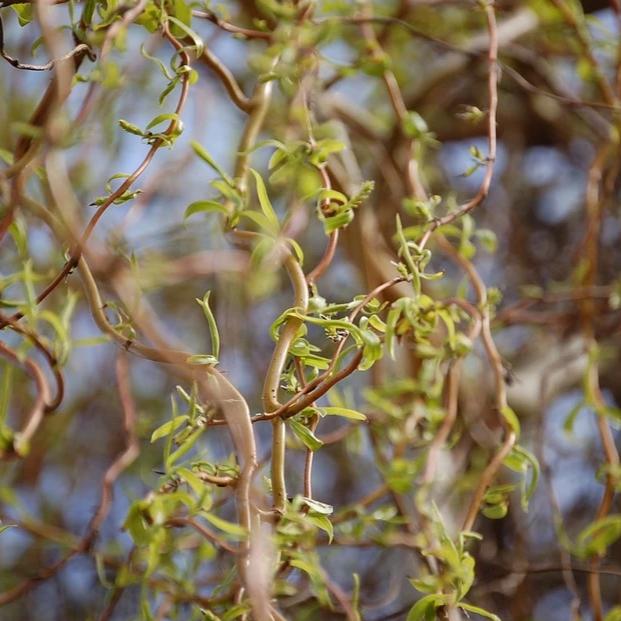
(79, 49)
(127, 457)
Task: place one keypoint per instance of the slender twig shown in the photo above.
(76, 253)
(49, 356)
(112, 32)
(414, 184)
(79, 49)
(204, 530)
(590, 252)
(451, 395)
(272, 380)
(546, 471)
(500, 392)
(490, 160)
(127, 457)
(228, 80)
(214, 387)
(582, 37)
(21, 441)
(248, 33)
(333, 238)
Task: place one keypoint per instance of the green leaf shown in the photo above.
(488, 240)
(414, 126)
(131, 128)
(186, 30)
(136, 523)
(323, 523)
(598, 536)
(211, 322)
(264, 201)
(169, 427)
(6, 388)
(372, 350)
(183, 11)
(167, 91)
(196, 484)
(230, 528)
(6, 156)
(208, 159)
(344, 412)
(355, 596)
(425, 608)
(614, 614)
(323, 149)
(235, 612)
(4, 527)
(160, 118)
(522, 460)
(305, 435)
(297, 249)
(338, 221)
(315, 506)
(478, 611)
(169, 76)
(24, 13)
(185, 446)
(204, 207)
(511, 417)
(496, 511)
(325, 193)
(262, 221)
(108, 185)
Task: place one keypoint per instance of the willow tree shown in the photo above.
(309, 309)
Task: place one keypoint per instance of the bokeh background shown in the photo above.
(551, 123)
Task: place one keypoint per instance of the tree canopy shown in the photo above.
(309, 309)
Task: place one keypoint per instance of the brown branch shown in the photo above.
(21, 441)
(4, 3)
(205, 531)
(611, 455)
(275, 368)
(28, 584)
(451, 395)
(126, 458)
(76, 253)
(557, 515)
(319, 380)
(80, 49)
(215, 388)
(228, 80)
(582, 36)
(414, 183)
(495, 362)
(47, 353)
(492, 86)
(248, 33)
(333, 239)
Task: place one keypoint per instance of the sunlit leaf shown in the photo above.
(168, 427)
(305, 435)
(344, 412)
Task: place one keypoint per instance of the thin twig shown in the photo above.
(128, 456)
(21, 441)
(228, 80)
(80, 49)
(490, 160)
(248, 33)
